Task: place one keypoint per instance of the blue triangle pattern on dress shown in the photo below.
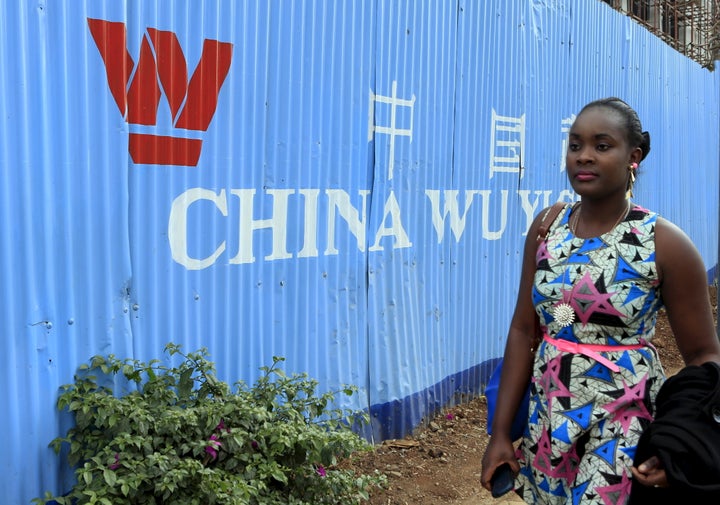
(563, 279)
(601, 426)
(626, 362)
(650, 301)
(544, 486)
(537, 297)
(546, 315)
(559, 490)
(580, 415)
(607, 451)
(600, 372)
(634, 293)
(630, 451)
(579, 258)
(646, 354)
(533, 418)
(527, 473)
(566, 333)
(578, 492)
(625, 271)
(589, 245)
(561, 433)
(565, 219)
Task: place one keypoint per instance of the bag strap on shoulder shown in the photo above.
(549, 218)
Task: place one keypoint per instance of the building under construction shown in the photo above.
(690, 26)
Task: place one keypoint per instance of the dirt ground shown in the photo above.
(440, 463)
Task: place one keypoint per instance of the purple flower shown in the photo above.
(449, 416)
(254, 444)
(213, 446)
(321, 471)
(116, 465)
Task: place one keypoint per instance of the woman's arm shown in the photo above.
(684, 290)
(517, 365)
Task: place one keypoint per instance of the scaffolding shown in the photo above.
(690, 26)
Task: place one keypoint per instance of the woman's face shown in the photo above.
(598, 154)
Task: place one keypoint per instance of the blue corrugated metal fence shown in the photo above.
(345, 184)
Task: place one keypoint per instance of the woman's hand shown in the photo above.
(651, 473)
(499, 450)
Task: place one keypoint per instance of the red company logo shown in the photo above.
(162, 68)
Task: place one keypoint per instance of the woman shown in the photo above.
(594, 287)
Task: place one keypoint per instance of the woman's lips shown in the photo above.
(585, 176)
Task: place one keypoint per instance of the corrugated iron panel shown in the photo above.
(352, 194)
(411, 309)
(275, 149)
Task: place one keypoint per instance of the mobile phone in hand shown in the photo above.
(502, 480)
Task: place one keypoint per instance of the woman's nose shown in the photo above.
(583, 155)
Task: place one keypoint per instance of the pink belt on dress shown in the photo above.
(593, 350)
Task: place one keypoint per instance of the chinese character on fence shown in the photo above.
(507, 142)
(394, 102)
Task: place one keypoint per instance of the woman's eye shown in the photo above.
(573, 147)
(603, 147)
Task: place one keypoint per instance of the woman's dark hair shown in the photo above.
(636, 137)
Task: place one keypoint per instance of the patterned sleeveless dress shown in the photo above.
(585, 419)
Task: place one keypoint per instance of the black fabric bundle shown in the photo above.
(685, 435)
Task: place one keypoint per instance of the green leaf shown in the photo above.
(96, 361)
(279, 476)
(110, 477)
(185, 384)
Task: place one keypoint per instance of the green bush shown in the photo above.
(184, 437)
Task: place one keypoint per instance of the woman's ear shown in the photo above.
(636, 155)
